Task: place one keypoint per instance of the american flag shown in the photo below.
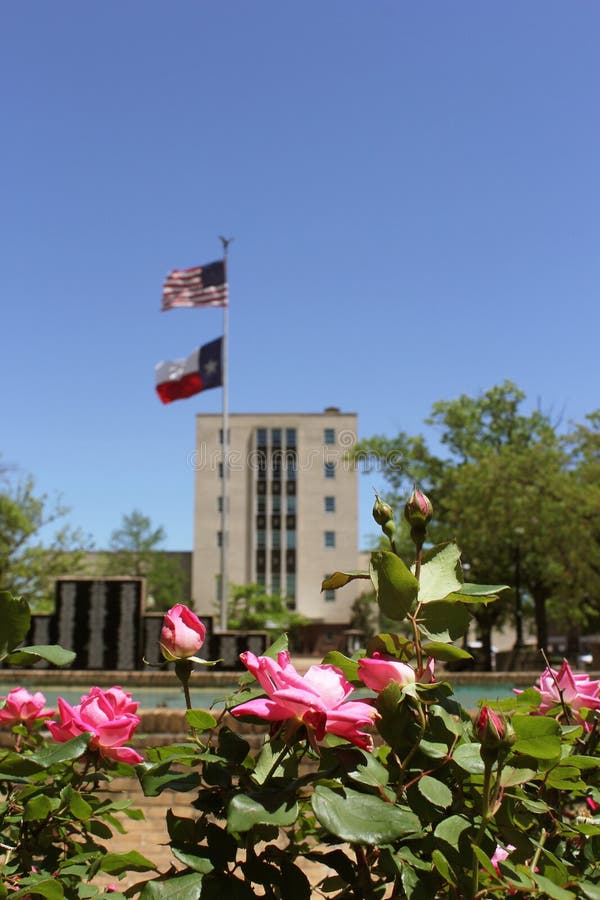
(200, 286)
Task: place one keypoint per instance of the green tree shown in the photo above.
(251, 608)
(135, 549)
(523, 498)
(35, 544)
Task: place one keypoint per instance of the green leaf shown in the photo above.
(339, 579)
(583, 762)
(450, 830)
(348, 666)
(158, 777)
(182, 887)
(468, 757)
(443, 866)
(394, 644)
(395, 585)
(440, 572)
(446, 652)
(117, 863)
(232, 747)
(482, 590)
(192, 861)
(50, 888)
(79, 807)
(29, 656)
(37, 808)
(58, 753)
(435, 791)
(200, 720)
(553, 890)
(537, 736)
(246, 810)
(362, 818)
(15, 618)
(510, 776)
(589, 890)
(445, 621)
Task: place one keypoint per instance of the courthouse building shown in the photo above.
(292, 509)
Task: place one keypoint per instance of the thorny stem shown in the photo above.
(485, 809)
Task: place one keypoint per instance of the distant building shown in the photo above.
(292, 508)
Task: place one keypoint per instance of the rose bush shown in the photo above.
(367, 766)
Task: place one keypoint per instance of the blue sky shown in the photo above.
(413, 190)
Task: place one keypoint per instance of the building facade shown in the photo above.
(292, 508)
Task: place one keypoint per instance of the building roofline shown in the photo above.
(232, 415)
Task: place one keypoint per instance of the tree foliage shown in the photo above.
(251, 608)
(135, 549)
(518, 491)
(36, 545)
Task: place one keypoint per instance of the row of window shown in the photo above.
(262, 435)
(261, 504)
(290, 539)
(291, 466)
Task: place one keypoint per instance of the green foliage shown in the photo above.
(522, 495)
(135, 550)
(251, 608)
(419, 814)
(31, 556)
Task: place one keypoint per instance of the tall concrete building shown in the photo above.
(292, 508)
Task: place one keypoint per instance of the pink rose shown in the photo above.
(378, 671)
(108, 715)
(500, 854)
(577, 691)
(182, 633)
(317, 700)
(24, 708)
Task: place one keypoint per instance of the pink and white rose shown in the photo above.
(317, 700)
(108, 715)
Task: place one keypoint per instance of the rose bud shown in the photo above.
(490, 729)
(382, 511)
(418, 510)
(182, 633)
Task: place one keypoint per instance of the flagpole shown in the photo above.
(225, 456)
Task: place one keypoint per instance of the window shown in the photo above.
(219, 538)
(328, 595)
(290, 488)
(261, 504)
(290, 437)
(329, 470)
(276, 437)
(261, 521)
(261, 561)
(290, 539)
(329, 538)
(290, 522)
(329, 435)
(276, 487)
(261, 539)
(221, 436)
(329, 504)
(291, 504)
(275, 584)
(261, 437)
(276, 540)
(276, 503)
(290, 586)
(276, 522)
(220, 470)
(291, 464)
(275, 561)
(219, 504)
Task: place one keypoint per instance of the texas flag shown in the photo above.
(185, 377)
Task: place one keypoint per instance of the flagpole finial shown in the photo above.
(226, 242)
